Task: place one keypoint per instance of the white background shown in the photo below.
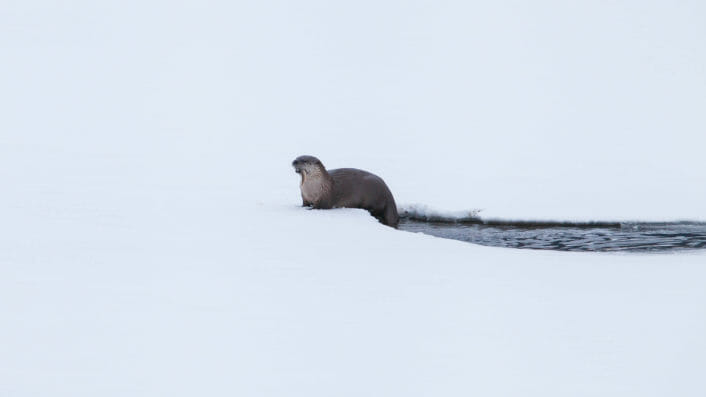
(152, 244)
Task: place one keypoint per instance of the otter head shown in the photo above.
(308, 166)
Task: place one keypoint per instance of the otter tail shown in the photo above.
(390, 217)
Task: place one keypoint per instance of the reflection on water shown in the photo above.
(634, 237)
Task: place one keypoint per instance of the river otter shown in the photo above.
(345, 187)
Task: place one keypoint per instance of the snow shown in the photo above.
(152, 241)
(427, 213)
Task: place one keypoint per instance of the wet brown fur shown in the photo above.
(345, 188)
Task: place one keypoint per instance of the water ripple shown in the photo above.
(605, 237)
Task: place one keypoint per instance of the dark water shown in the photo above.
(631, 237)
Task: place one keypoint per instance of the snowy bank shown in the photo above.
(152, 242)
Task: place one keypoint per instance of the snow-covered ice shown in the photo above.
(152, 241)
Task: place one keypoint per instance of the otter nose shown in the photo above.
(295, 162)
